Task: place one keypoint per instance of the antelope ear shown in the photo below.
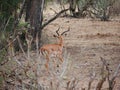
(65, 34)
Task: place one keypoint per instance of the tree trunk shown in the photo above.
(34, 12)
(28, 6)
(72, 6)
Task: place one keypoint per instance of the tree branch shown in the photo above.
(52, 19)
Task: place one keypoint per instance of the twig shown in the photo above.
(21, 47)
(116, 72)
(91, 80)
(100, 83)
(53, 10)
(37, 45)
(29, 40)
(71, 85)
(111, 82)
(7, 23)
(107, 68)
(65, 65)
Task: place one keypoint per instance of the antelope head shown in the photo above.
(60, 35)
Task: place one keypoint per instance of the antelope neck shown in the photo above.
(61, 41)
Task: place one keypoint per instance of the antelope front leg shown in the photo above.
(47, 62)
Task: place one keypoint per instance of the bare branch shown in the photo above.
(116, 72)
(53, 10)
(7, 23)
(107, 68)
(21, 47)
(92, 77)
(71, 85)
(100, 83)
(52, 19)
(111, 82)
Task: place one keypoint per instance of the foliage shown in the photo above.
(8, 14)
(8, 8)
(81, 6)
(101, 9)
(46, 2)
(2, 55)
(98, 8)
(115, 8)
(82, 3)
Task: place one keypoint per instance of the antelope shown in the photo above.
(54, 49)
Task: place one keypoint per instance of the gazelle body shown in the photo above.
(55, 50)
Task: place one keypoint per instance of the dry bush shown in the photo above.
(115, 10)
(26, 71)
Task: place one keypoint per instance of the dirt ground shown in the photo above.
(86, 42)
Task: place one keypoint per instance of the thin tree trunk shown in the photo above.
(36, 17)
(28, 6)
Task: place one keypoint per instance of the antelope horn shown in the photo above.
(65, 31)
(57, 31)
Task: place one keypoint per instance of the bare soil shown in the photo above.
(88, 41)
